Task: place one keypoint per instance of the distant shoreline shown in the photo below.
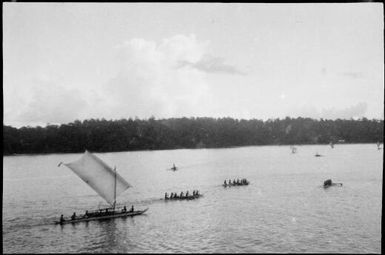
(230, 147)
(103, 136)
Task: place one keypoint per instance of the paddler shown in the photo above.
(73, 216)
(187, 194)
(224, 183)
(61, 218)
(132, 208)
(181, 194)
(166, 196)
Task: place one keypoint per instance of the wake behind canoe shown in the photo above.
(103, 217)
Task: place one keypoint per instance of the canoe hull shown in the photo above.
(184, 198)
(116, 215)
(232, 185)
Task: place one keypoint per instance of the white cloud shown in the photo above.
(211, 64)
(149, 84)
(52, 103)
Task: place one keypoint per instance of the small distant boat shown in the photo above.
(318, 155)
(293, 149)
(332, 145)
(173, 168)
(106, 182)
(328, 183)
(378, 146)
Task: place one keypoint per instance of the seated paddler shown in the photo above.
(181, 194)
(61, 218)
(73, 216)
(166, 196)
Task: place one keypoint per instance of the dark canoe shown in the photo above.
(184, 198)
(103, 217)
(333, 184)
(234, 185)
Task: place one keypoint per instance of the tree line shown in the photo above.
(100, 135)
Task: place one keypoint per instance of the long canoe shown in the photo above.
(184, 198)
(103, 217)
(234, 185)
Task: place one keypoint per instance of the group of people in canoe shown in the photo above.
(237, 182)
(174, 195)
(98, 213)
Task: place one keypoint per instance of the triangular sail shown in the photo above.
(99, 176)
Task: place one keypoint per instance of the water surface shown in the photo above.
(284, 209)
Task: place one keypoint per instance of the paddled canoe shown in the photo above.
(103, 217)
(184, 198)
(234, 185)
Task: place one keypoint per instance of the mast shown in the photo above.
(114, 188)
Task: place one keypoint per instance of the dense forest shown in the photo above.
(156, 134)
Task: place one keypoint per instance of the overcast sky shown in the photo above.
(66, 61)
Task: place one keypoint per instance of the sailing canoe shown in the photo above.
(104, 217)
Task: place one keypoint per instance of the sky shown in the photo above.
(74, 61)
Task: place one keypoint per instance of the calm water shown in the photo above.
(284, 209)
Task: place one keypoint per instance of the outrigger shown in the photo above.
(106, 182)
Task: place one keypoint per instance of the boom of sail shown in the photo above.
(99, 176)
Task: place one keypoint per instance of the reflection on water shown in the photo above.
(284, 209)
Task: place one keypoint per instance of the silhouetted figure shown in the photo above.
(61, 218)
(73, 216)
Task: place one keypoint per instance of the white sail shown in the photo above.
(99, 176)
